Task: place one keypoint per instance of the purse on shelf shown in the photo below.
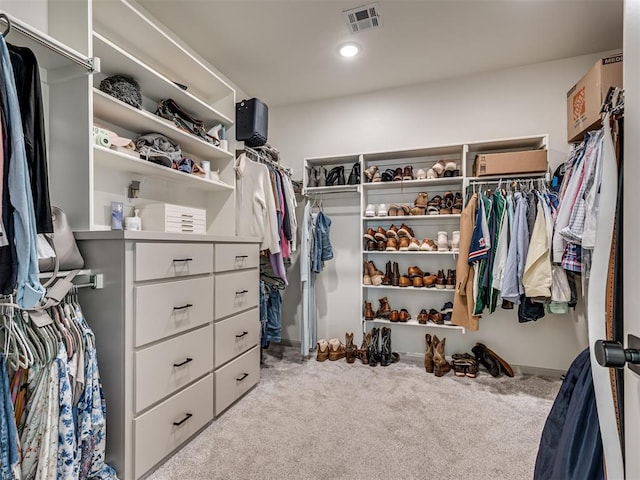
(170, 110)
(66, 255)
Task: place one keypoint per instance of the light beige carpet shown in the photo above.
(332, 420)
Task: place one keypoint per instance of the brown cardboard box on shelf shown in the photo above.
(585, 98)
(508, 163)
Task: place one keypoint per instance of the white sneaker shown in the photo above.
(383, 208)
(443, 242)
(431, 173)
(421, 174)
(370, 211)
(455, 241)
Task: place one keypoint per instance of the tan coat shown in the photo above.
(464, 300)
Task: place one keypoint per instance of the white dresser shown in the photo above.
(177, 327)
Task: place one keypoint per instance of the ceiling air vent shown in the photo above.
(364, 17)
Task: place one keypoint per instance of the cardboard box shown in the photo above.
(509, 163)
(585, 98)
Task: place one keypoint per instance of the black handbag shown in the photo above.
(170, 110)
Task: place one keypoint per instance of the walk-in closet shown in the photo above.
(267, 240)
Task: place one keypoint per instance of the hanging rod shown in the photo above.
(262, 158)
(46, 41)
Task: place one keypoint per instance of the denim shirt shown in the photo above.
(322, 249)
(30, 291)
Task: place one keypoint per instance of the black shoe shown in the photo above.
(387, 175)
(354, 176)
(341, 176)
(374, 353)
(484, 357)
(332, 176)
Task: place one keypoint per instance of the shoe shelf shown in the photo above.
(408, 252)
(415, 323)
(405, 218)
(116, 161)
(421, 289)
(413, 183)
(110, 109)
(153, 85)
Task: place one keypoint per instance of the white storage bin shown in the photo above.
(164, 217)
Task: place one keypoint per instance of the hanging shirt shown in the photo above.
(537, 278)
(29, 291)
(255, 204)
(512, 286)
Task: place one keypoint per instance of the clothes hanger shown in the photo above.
(7, 30)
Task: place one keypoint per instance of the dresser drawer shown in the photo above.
(235, 378)
(236, 292)
(236, 335)
(235, 256)
(165, 427)
(168, 366)
(164, 309)
(166, 260)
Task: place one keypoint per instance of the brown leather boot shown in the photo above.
(351, 351)
(363, 353)
(428, 354)
(441, 281)
(395, 278)
(375, 274)
(440, 364)
(386, 280)
(369, 314)
(385, 309)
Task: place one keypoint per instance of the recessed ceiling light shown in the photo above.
(349, 50)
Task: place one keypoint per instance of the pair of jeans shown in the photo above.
(8, 433)
(274, 316)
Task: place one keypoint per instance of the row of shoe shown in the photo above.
(445, 204)
(375, 349)
(442, 168)
(415, 277)
(320, 177)
(442, 317)
(403, 239)
(463, 364)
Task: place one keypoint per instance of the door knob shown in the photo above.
(614, 355)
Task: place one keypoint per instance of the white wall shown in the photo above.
(515, 102)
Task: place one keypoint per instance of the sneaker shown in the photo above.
(414, 245)
(405, 231)
(428, 245)
(455, 241)
(370, 211)
(382, 210)
(323, 350)
(431, 173)
(421, 174)
(443, 242)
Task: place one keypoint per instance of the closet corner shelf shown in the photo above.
(414, 323)
(405, 218)
(110, 109)
(419, 289)
(408, 252)
(113, 160)
(310, 191)
(414, 183)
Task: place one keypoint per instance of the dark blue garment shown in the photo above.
(322, 249)
(274, 316)
(571, 445)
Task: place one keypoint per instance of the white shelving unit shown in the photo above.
(139, 47)
(424, 226)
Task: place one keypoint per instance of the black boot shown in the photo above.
(341, 176)
(387, 357)
(374, 354)
(354, 176)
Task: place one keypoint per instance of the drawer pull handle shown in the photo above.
(188, 305)
(244, 375)
(186, 215)
(242, 256)
(183, 363)
(242, 292)
(187, 417)
(242, 334)
(179, 260)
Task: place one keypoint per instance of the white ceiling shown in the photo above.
(285, 51)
